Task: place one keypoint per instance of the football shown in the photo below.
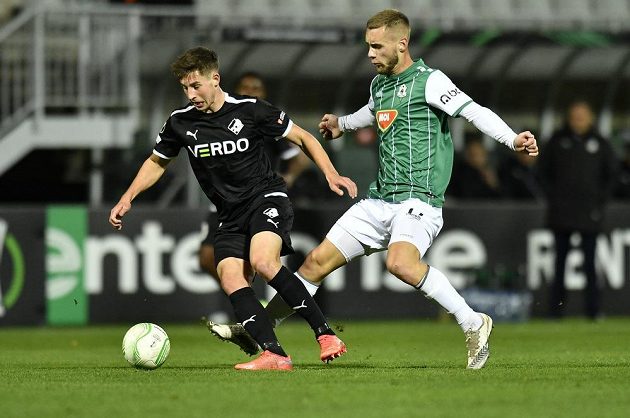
(146, 346)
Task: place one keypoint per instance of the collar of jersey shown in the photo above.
(412, 69)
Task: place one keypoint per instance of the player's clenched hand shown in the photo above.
(336, 182)
(526, 142)
(329, 127)
(117, 212)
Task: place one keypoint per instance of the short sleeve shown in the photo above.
(166, 144)
(271, 121)
(443, 94)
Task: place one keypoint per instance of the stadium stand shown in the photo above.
(77, 75)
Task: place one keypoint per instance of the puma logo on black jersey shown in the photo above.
(194, 135)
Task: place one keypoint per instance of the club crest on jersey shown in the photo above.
(402, 91)
(235, 126)
(385, 118)
(271, 212)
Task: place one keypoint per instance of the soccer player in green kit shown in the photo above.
(410, 103)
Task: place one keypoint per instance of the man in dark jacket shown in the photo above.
(578, 168)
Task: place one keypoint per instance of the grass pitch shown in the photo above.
(571, 368)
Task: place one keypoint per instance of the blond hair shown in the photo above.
(391, 19)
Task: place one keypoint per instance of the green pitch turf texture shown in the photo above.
(571, 368)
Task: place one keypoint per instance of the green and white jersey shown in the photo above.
(415, 146)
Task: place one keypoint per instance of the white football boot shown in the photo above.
(235, 334)
(477, 343)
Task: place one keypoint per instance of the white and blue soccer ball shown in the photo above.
(146, 346)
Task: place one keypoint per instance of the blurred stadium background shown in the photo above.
(85, 86)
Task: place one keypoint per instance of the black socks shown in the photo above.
(291, 289)
(253, 317)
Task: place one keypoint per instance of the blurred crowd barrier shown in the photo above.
(66, 265)
(85, 84)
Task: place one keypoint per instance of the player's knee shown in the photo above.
(314, 264)
(398, 266)
(265, 267)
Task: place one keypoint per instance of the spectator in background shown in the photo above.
(577, 166)
(519, 178)
(474, 177)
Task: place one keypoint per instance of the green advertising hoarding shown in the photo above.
(66, 233)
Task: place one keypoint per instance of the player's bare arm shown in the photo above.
(150, 172)
(315, 152)
(526, 142)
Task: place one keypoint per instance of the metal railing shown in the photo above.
(17, 55)
(67, 62)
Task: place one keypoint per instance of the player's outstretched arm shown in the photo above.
(150, 172)
(526, 142)
(315, 151)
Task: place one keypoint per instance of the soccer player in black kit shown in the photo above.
(283, 153)
(223, 136)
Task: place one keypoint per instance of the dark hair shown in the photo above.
(199, 59)
(580, 101)
(389, 18)
(249, 74)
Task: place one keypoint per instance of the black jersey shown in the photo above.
(226, 150)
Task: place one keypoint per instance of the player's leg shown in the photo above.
(232, 333)
(320, 262)
(341, 245)
(414, 226)
(206, 249)
(350, 237)
(270, 227)
(558, 296)
(233, 273)
(265, 259)
(592, 292)
(206, 260)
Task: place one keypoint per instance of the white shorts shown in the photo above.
(371, 225)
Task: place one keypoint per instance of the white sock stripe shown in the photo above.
(311, 287)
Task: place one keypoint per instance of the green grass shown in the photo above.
(393, 369)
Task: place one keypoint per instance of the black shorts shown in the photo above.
(274, 214)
